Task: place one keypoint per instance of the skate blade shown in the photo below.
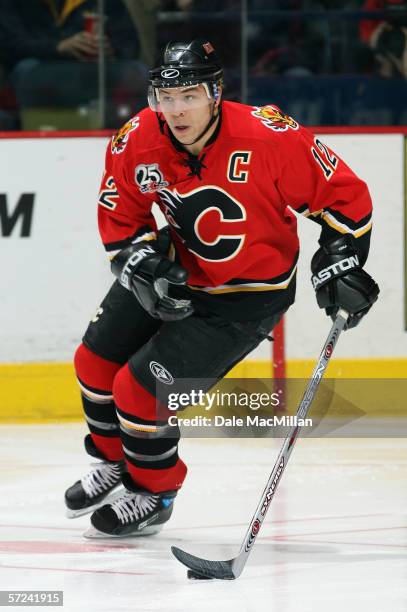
(95, 534)
(106, 500)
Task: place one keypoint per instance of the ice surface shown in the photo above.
(335, 538)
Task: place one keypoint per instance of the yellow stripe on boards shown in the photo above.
(48, 392)
(338, 368)
(39, 392)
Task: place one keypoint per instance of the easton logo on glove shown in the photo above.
(335, 269)
(132, 263)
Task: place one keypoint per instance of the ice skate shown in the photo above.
(135, 513)
(96, 487)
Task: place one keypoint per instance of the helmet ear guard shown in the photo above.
(213, 89)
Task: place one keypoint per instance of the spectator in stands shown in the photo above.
(143, 14)
(387, 37)
(292, 44)
(51, 53)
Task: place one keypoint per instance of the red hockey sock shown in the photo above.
(150, 444)
(95, 376)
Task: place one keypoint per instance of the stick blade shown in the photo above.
(222, 570)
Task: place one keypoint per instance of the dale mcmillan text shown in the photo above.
(248, 421)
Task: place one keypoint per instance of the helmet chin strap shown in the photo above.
(208, 126)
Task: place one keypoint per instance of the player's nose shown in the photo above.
(177, 114)
(179, 107)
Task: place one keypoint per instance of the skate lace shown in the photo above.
(101, 478)
(133, 506)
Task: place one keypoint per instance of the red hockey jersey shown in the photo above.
(230, 210)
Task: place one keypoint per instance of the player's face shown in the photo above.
(187, 110)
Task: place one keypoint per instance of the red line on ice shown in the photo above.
(219, 526)
(299, 520)
(46, 547)
(69, 569)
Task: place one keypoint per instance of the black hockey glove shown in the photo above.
(340, 282)
(147, 273)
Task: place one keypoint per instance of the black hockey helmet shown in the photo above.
(183, 64)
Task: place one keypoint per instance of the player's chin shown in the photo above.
(182, 135)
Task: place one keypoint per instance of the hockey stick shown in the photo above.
(232, 568)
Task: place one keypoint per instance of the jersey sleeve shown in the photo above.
(316, 183)
(124, 213)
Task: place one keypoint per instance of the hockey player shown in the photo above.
(192, 300)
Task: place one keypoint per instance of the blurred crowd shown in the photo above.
(58, 58)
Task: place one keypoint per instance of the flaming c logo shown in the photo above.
(119, 141)
(273, 118)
